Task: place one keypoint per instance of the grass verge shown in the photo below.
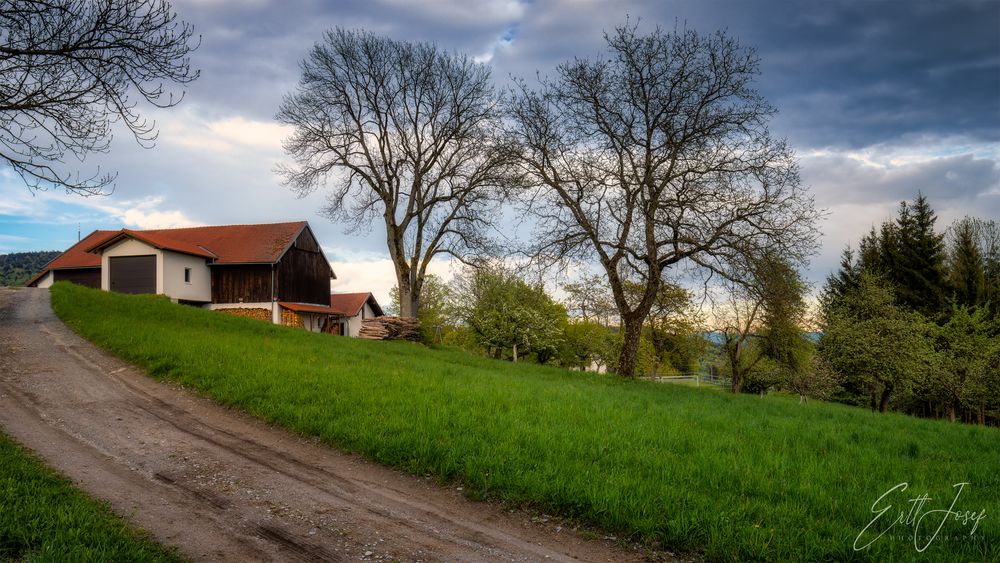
(732, 477)
(44, 518)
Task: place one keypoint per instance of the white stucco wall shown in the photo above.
(129, 247)
(169, 270)
(172, 274)
(354, 323)
(46, 280)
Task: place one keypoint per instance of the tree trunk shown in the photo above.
(737, 382)
(407, 281)
(409, 295)
(515, 352)
(632, 327)
(883, 404)
(951, 411)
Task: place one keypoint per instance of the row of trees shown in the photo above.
(17, 268)
(911, 320)
(890, 335)
(491, 310)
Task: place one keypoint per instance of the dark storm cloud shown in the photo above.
(250, 51)
(858, 73)
(843, 73)
(847, 73)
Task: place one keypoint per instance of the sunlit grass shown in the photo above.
(43, 518)
(731, 477)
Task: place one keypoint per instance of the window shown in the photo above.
(187, 275)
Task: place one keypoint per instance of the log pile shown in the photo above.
(390, 328)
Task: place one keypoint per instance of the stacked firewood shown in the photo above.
(390, 328)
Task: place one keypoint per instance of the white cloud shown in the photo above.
(862, 188)
(146, 215)
(379, 276)
(230, 135)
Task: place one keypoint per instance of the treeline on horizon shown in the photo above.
(909, 323)
(17, 268)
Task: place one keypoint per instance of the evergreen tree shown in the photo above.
(966, 267)
(987, 234)
(870, 252)
(839, 283)
(918, 269)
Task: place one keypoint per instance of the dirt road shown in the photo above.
(220, 485)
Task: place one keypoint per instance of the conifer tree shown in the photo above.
(839, 283)
(966, 267)
(918, 269)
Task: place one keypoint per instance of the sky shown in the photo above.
(880, 100)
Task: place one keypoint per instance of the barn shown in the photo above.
(273, 271)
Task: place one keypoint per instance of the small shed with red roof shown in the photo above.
(353, 309)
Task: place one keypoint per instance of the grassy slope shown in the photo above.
(735, 477)
(43, 518)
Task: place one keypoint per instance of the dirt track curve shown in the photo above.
(220, 485)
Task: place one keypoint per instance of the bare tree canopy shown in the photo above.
(657, 156)
(399, 130)
(71, 68)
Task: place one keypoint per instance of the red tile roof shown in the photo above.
(156, 239)
(349, 304)
(226, 244)
(307, 308)
(77, 256)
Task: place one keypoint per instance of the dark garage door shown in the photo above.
(133, 274)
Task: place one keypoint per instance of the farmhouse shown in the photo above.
(274, 272)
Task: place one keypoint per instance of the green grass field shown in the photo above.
(43, 518)
(729, 477)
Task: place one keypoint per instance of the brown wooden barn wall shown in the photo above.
(303, 273)
(249, 282)
(90, 277)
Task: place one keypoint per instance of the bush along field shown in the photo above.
(43, 518)
(730, 477)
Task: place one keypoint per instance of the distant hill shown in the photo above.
(718, 339)
(18, 267)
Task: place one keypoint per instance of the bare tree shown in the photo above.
(658, 156)
(71, 68)
(738, 320)
(589, 299)
(403, 131)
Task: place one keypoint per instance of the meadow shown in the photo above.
(722, 476)
(44, 518)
